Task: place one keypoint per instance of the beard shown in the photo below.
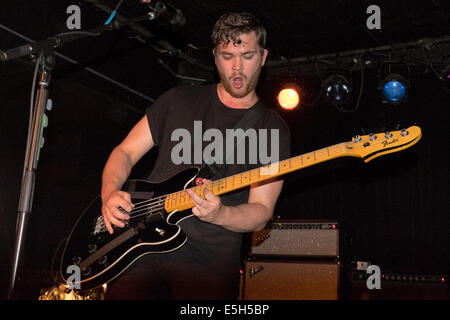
(249, 84)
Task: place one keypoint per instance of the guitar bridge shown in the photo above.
(99, 226)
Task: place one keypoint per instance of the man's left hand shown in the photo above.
(208, 208)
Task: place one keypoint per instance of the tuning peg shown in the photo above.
(357, 138)
(372, 137)
(388, 135)
(404, 132)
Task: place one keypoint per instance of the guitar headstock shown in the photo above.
(370, 146)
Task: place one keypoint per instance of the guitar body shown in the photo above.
(101, 256)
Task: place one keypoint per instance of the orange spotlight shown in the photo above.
(289, 96)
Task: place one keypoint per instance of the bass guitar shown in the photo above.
(153, 225)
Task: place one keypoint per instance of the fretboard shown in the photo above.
(181, 200)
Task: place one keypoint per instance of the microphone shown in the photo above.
(173, 15)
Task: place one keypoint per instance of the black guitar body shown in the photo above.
(93, 257)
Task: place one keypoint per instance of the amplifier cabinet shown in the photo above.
(303, 238)
(290, 280)
(398, 286)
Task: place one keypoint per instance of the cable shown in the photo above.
(77, 32)
(113, 13)
(180, 76)
(32, 103)
(430, 64)
(319, 95)
(360, 90)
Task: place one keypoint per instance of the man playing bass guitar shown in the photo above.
(207, 265)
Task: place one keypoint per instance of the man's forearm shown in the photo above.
(116, 172)
(246, 217)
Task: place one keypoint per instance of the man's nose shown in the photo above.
(237, 63)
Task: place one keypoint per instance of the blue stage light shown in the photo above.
(394, 89)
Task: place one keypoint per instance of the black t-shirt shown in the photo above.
(180, 108)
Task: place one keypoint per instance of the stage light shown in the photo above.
(337, 90)
(394, 89)
(289, 96)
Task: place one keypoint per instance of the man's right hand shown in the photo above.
(112, 206)
(117, 169)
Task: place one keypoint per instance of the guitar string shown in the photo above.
(150, 202)
(101, 224)
(338, 146)
(331, 150)
(147, 208)
(140, 209)
(156, 204)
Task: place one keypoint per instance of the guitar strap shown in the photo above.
(248, 120)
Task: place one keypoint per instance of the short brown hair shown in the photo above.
(231, 25)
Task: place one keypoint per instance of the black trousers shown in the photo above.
(173, 276)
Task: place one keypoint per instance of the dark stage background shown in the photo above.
(393, 210)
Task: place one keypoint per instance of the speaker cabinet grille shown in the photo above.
(297, 238)
(286, 280)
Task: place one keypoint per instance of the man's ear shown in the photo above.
(265, 53)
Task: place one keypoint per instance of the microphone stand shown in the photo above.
(47, 61)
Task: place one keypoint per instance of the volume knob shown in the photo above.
(161, 232)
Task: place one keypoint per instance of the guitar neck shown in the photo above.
(181, 201)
